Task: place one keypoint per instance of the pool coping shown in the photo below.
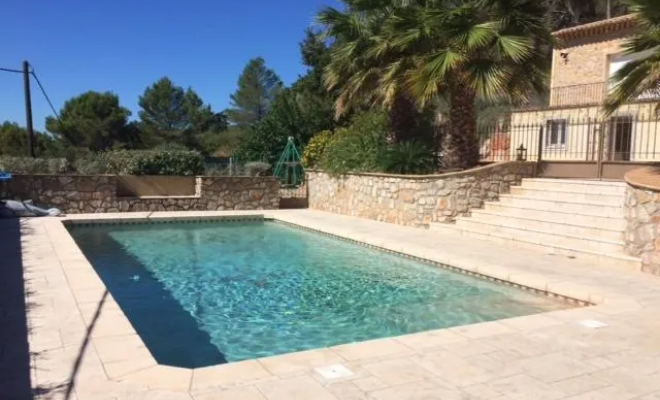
(117, 334)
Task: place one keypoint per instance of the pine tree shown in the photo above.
(257, 88)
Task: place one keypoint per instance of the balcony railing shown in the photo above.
(589, 94)
(574, 95)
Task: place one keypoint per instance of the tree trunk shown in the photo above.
(460, 147)
(403, 119)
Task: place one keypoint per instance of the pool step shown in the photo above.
(575, 218)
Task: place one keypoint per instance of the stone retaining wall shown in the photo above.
(98, 194)
(642, 213)
(413, 200)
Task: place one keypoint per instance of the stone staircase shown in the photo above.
(576, 218)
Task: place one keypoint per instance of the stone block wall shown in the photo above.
(587, 58)
(98, 194)
(413, 200)
(642, 236)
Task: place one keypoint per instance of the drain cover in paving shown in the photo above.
(334, 371)
(593, 324)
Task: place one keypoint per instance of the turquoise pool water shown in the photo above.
(206, 293)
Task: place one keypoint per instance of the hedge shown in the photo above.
(120, 162)
(26, 165)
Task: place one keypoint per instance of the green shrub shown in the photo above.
(315, 148)
(358, 147)
(168, 162)
(408, 158)
(27, 165)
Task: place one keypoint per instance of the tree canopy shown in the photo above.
(14, 141)
(640, 76)
(413, 51)
(171, 114)
(258, 86)
(95, 121)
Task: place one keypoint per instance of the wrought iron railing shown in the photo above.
(574, 95)
(631, 135)
(589, 94)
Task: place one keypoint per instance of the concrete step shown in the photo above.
(543, 237)
(594, 196)
(578, 207)
(597, 221)
(610, 187)
(549, 224)
(598, 258)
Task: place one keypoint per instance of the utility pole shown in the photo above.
(609, 9)
(28, 107)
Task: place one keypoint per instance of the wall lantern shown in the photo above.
(521, 153)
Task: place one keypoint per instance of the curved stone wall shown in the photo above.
(642, 213)
(413, 200)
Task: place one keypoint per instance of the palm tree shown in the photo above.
(462, 50)
(354, 71)
(641, 76)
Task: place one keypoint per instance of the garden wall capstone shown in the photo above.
(413, 200)
(75, 194)
(642, 213)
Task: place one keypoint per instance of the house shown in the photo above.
(570, 131)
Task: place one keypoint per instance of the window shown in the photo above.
(618, 61)
(555, 134)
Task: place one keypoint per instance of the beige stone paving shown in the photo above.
(78, 332)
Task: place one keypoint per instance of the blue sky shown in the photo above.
(125, 45)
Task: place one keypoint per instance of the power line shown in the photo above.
(11, 70)
(34, 74)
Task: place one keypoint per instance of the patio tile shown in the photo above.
(578, 384)
(242, 393)
(628, 380)
(232, 374)
(398, 371)
(454, 369)
(427, 390)
(481, 391)
(372, 349)
(468, 348)
(555, 367)
(347, 390)
(482, 330)
(156, 395)
(524, 387)
(120, 348)
(426, 340)
(161, 377)
(115, 369)
(531, 322)
(370, 383)
(300, 362)
(296, 388)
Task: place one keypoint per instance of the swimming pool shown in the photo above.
(200, 294)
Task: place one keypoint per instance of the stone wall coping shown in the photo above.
(644, 178)
(455, 174)
(157, 197)
(114, 175)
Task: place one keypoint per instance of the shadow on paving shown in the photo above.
(16, 358)
(14, 349)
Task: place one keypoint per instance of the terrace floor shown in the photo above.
(62, 336)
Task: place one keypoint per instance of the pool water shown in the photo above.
(200, 294)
